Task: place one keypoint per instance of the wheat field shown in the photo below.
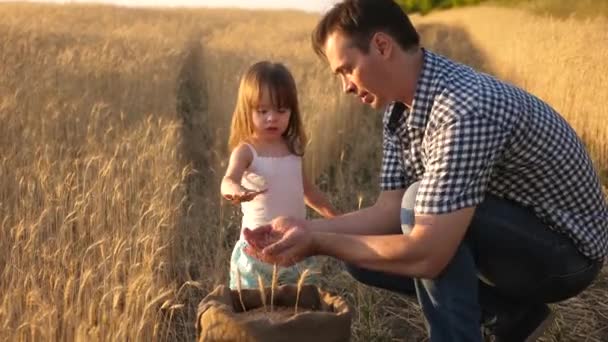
(113, 135)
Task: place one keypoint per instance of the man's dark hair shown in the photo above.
(359, 20)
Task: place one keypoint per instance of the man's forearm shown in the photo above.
(399, 254)
(422, 253)
(379, 219)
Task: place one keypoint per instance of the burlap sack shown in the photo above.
(321, 317)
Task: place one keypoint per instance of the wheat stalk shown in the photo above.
(262, 291)
(300, 284)
(273, 285)
(239, 288)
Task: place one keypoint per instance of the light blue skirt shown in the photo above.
(250, 267)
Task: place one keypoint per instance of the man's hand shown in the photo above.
(285, 241)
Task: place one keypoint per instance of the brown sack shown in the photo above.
(321, 317)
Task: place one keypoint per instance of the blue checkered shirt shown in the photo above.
(468, 134)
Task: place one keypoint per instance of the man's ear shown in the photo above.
(382, 43)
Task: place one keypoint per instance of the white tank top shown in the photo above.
(282, 177)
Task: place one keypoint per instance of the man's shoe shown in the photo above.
(525, 326)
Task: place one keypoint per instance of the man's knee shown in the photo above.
(391, 282)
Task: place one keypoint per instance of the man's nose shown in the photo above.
(347, 86)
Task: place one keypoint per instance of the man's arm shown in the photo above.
(381, 218)
(424, 253)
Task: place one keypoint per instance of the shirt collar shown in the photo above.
(424, 94)
(417, 115)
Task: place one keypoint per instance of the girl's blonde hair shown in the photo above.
(275, 78)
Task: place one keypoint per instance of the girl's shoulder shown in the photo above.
(244, 151)
(250, 146)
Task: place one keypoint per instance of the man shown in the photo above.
(500, 208)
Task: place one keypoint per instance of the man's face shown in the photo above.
(360, 73)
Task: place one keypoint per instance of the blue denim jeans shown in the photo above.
(508, 261)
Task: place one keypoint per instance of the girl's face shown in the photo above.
(269, 123)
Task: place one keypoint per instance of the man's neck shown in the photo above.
(408, 67)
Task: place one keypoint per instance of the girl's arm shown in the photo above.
(231, 187)
(315, 199)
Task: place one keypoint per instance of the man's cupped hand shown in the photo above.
(284, 241)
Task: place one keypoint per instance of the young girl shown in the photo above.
(265, 173)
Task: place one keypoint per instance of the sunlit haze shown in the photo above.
(308, 5)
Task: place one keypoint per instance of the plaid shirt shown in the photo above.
(468, 134)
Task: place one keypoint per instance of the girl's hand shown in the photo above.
(243, 194)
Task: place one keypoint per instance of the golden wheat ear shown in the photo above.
(300, 284)
(262, 291)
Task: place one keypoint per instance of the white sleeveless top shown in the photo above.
(282, 177)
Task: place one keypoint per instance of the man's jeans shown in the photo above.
(508, 261)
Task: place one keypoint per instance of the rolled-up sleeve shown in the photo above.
(462, 153)
(392, 174)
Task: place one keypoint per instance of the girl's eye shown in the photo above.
(283, 110)
(262, 111)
